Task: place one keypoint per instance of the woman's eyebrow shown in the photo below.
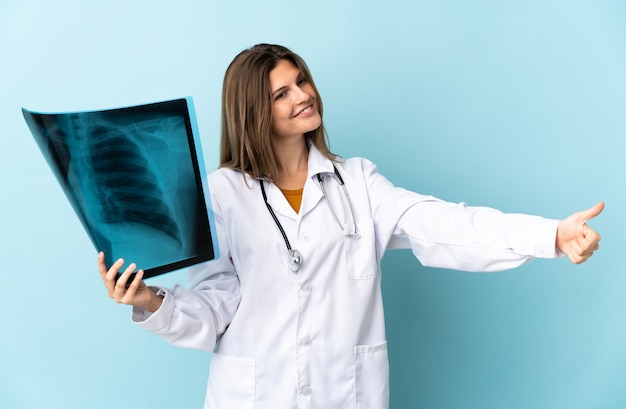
(279, 90)
(297, 77)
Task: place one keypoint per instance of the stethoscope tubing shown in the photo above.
(295, 260)
(332, 211)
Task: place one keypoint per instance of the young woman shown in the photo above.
(292, 308)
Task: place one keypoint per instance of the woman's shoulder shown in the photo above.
(227, 178)
(356, 164)
(228, 189)
(223, 173)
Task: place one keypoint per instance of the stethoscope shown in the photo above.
(295, 257)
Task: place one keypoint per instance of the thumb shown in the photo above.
(592, 212)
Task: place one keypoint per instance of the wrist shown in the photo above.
(156, 300)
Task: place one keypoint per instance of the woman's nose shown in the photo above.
(300, 95)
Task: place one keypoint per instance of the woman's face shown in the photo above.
(294, 107)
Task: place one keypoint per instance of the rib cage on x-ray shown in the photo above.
(111, 169)
(128, 188)
(134, 179)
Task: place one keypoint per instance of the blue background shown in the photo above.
(516, 106)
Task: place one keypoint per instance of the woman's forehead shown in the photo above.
(284, 72)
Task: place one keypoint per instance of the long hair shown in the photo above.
(247, 142)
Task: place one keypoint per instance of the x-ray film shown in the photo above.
(136, 180)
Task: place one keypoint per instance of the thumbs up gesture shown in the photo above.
(577, 240)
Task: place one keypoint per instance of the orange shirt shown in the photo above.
(294, 197)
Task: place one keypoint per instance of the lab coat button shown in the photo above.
(305, 390)
(306, 237)
(306, 287)
(306, 341)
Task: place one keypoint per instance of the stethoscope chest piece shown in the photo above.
(295, 260)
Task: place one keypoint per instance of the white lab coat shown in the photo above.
(316, 338)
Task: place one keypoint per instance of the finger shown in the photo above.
(581, 255)
(592, 212)
(576, 259)
(587, 254)
(136, 281)
(576, 251)
(113, 270)
(101, 265)
(587, 248)
(131, 289)
(591, 243)
(109, 277)
(591, 236)
(582, 248)
(120, 284)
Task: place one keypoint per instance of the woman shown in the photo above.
(292, 308)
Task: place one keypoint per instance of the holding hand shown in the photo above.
(577, 240)
(136, 293)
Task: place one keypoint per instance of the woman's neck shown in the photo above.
(292, 163)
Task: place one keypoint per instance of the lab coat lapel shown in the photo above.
(312, 192)
(277, 200)
(311, 195)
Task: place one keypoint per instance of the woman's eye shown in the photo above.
(302, 81)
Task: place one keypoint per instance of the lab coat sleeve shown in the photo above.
(454, 235)
(196, 317)
(461, 237)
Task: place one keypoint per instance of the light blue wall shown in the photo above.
(516, 106)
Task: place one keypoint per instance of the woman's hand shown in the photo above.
(136, 293)
(577, 240)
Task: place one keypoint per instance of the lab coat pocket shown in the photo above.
(360, 252)
(231, 383)
(371, 371)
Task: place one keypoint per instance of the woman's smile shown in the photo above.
(306, 112)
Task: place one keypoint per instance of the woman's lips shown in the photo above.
(305, 112)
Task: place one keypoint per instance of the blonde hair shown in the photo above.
(247, 142)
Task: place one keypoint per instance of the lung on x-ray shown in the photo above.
(135, 179)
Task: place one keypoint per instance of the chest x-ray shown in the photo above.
(135, 179)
